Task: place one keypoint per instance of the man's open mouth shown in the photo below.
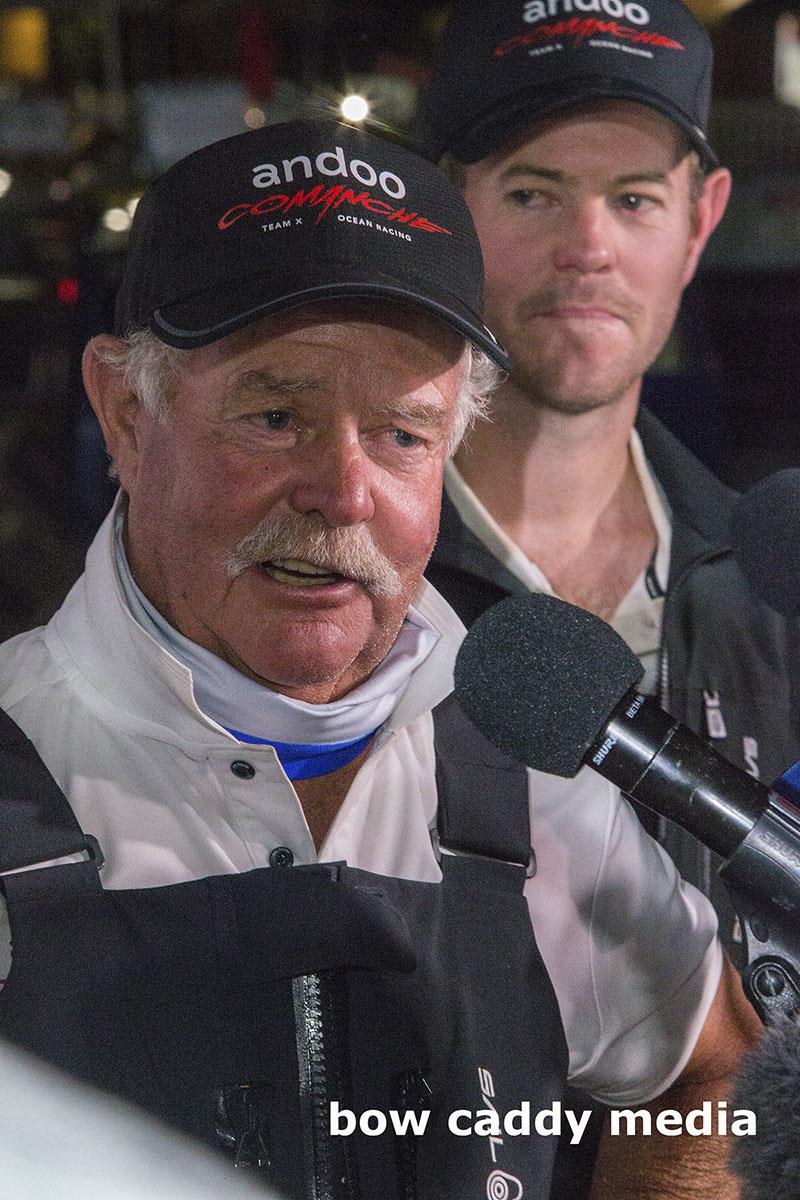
(297, 573)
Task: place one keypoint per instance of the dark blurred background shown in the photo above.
(97, 98)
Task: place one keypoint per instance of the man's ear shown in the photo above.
(117, 408)
(709, 211)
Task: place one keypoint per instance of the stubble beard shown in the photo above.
(546, 390)
(565, 379)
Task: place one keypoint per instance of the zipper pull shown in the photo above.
(241, 1124)
(715, 722)
(653, 587)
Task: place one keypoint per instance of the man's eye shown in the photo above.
(404, 439)
(277, 420)
(635, 201)
(527, 197)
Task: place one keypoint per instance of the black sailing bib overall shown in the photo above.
(238, 1008)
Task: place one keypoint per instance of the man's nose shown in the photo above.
(335, 481)
(586, 238)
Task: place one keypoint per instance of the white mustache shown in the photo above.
(345, 550)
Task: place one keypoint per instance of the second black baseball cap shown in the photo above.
(506, 63)
(295, 213)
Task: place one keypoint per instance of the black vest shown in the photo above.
(238, 1008)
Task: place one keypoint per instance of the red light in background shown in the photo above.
(67, 290)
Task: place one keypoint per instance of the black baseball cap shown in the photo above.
(295, 213)
(504, 64)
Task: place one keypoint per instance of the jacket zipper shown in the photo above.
(319, 1014)
(412, 1094)
(664, 700)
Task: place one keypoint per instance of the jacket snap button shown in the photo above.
(242, 769)
(281, 856)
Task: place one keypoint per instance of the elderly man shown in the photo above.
(577, 136)
(318, 884)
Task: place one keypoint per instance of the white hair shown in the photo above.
(481, 379)
(150, 369)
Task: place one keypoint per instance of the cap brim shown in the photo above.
(489, 134)
(208, 316)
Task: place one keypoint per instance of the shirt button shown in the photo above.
(242, 769)
(281, 856)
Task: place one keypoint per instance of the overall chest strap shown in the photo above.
(483, 795)
(36, 821)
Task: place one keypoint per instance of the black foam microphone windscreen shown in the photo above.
(539, 678)
(768, 1083)
(766, 536)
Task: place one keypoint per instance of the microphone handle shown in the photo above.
(763, 879)
(654, 759)
(657, 761)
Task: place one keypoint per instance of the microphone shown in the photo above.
(765, 530)
(768, 1084)
(554, 687)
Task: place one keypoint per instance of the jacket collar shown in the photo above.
(701, 507)
(701, 504)
(458, 548)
